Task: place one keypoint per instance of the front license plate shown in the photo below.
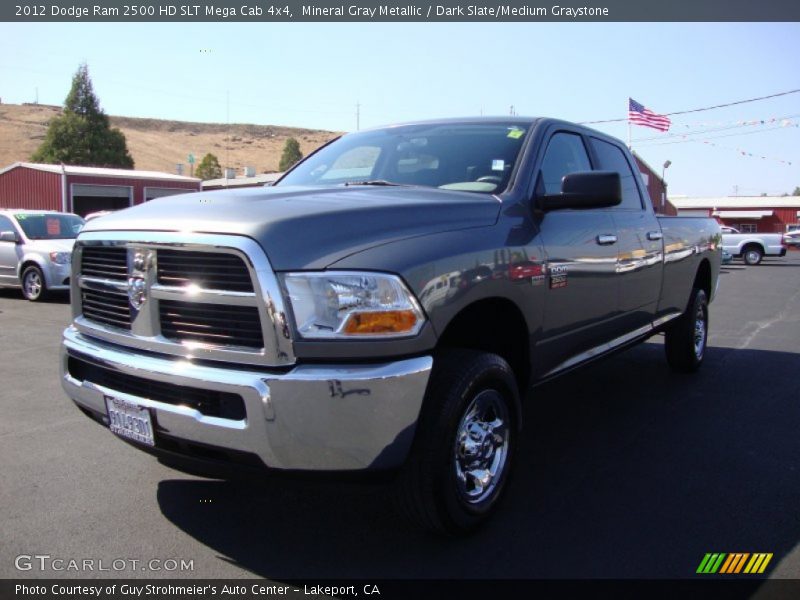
(130, 420)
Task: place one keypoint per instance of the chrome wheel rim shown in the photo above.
(33, 284)
(481, 447)
(700, 332)
(752, 257)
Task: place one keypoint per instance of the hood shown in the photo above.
(309, 227)
(47, 246)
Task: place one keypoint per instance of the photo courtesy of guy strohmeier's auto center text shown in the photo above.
(318, 299)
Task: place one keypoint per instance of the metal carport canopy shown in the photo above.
(102, 191)
(742, 214)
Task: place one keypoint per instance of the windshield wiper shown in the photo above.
(373, 182)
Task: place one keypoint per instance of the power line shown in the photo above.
(694, 110)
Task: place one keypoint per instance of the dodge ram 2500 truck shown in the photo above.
(384, 307)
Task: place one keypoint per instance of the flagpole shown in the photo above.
(629, 125)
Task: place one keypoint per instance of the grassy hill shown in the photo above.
(158, 145)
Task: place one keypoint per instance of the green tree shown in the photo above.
(208, 168)
(291, 154)
(82, 134)
(796, 191)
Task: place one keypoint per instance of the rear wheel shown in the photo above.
(459, 465)
(33, 285)
(686, 338)
(753, 255)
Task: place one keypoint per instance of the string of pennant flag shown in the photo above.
(746, 153)
(638, 114)
(714, 127)
(738, 150)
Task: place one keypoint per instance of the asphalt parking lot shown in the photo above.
(626, 470)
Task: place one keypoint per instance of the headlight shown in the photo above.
(61, 258)
(351, 305)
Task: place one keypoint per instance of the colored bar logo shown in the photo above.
(734, 563)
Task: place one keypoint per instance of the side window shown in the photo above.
(5, 224)
(612, 158)
(413, 163)
(565, 154)
(355, 163)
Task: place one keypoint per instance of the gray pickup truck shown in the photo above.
(384, 307)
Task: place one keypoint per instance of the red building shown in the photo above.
(656, 187)
(748, 214)
(83, 190)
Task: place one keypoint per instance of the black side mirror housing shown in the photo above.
(590, 189)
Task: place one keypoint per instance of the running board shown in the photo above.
(614, 344)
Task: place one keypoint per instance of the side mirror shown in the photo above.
(591, 189)
(9, 236)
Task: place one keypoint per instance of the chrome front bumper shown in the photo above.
(313, 417)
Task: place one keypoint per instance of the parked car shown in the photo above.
(36, 250)
(99, 213)
(752, 247)
(727, 257)
(388, 317)
(792, 238)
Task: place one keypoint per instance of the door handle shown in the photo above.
(654, 236)
(606, 239)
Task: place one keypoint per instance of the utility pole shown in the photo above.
(358, 115)
(511, 110)
(228, 123)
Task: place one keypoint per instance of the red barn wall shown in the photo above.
(657, 189)
(22, 187)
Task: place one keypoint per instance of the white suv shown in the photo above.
(36, 250)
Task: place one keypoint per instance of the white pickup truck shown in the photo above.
(752, 247)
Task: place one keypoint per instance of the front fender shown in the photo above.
(32, 257)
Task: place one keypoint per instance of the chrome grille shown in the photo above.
(207, 270)
(107, 308)
(105, 262)
(211, 323)
(189, 295)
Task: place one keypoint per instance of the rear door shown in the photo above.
(581, 298)
(639, 245)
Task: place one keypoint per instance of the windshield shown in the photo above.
(468, 157)
(49, 226)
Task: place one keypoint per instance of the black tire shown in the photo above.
(34, 287)
(437, 487)
(752, 255)
(686, 339)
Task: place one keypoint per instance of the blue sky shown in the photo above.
(312, 75)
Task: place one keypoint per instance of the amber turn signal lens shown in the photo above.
(390, 321)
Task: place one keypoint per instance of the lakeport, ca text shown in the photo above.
(141, 591)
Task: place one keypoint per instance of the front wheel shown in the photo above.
(459, 464)
(33, 285)
(686, 338)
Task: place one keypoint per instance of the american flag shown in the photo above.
(639, 115)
